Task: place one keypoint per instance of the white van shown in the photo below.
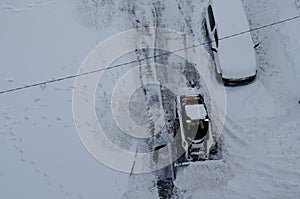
(234, 53)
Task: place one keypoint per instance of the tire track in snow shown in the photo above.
(153, 95)
(147, 73)
(187, 19)
(165, 185)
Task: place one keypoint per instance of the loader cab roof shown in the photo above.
(193, 107)
(195, 111)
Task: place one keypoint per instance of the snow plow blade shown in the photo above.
(214, 157)
(184, 162)
(181, 164)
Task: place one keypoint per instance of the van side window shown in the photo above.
(216, 38)
(211, 17)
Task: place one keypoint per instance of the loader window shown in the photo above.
(202, 129)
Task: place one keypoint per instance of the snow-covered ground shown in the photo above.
(41, 155)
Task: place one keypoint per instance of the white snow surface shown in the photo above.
(230, 19)
(40, 153)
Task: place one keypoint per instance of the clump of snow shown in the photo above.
(203, 175)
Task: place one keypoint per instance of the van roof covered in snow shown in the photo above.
(230, 17)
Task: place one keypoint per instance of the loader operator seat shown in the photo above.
(196, 129)
(202, 129)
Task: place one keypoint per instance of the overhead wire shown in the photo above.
(150, 57)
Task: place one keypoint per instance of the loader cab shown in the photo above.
(195, 118)
(195, 140)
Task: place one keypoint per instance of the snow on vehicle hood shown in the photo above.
(196, 111)
(237, 57)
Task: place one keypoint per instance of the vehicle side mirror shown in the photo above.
(256, 45)
(213, 49)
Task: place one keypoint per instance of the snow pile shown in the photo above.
(203, 175)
